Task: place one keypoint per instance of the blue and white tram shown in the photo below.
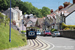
(31, 33)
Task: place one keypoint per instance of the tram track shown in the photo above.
(36, 44)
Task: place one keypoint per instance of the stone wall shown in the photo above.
(68, 33)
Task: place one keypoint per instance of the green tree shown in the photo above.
(1, 18)
(45, 11)
(3, 4)
(36, 12)
(26, 7)
(24, 13)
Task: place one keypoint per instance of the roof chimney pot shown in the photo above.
(66, 4)
(73, 1)
(51, 10)
(60, 7)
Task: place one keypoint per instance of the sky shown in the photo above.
(52, 4)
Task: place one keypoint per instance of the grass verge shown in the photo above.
(16, 38)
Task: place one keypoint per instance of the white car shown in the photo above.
(56, 33)
(38, 33)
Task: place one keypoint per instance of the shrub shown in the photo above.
(23, 31)
(1, 17)
(67, 27)
(53, 30)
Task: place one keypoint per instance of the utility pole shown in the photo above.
(10, 24)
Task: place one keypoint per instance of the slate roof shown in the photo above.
(72, 8)
(52, 15)
(68, 9)
(31, 19)
(40, 21)
(70, 13)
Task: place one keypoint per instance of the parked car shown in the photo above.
(38, 33)
(56, 33)
(47, 33)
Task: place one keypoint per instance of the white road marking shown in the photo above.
(50, 43)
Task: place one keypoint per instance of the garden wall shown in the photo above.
(68, 33)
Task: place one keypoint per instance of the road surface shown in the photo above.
(59, 43)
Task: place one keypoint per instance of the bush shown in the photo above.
(67, 27)
(52, 30)
(1, 17)
(24, 39)
(23, 31)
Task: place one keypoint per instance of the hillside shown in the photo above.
(16, 38)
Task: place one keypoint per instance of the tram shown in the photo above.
(31, 32)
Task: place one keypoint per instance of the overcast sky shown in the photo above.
(52, 4)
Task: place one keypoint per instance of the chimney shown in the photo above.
(51, 10)
(73, 1)
(60, 7)
(66, 4)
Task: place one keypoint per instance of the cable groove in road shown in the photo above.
(31, 45)
(36, 44)
(44, 45)
(40, 43)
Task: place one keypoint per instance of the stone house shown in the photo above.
(40, 22)
(20, 16)
(16, 15)
(62, 15)
(30, 21)
(50, 21)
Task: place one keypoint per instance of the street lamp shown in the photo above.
(10, 24)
